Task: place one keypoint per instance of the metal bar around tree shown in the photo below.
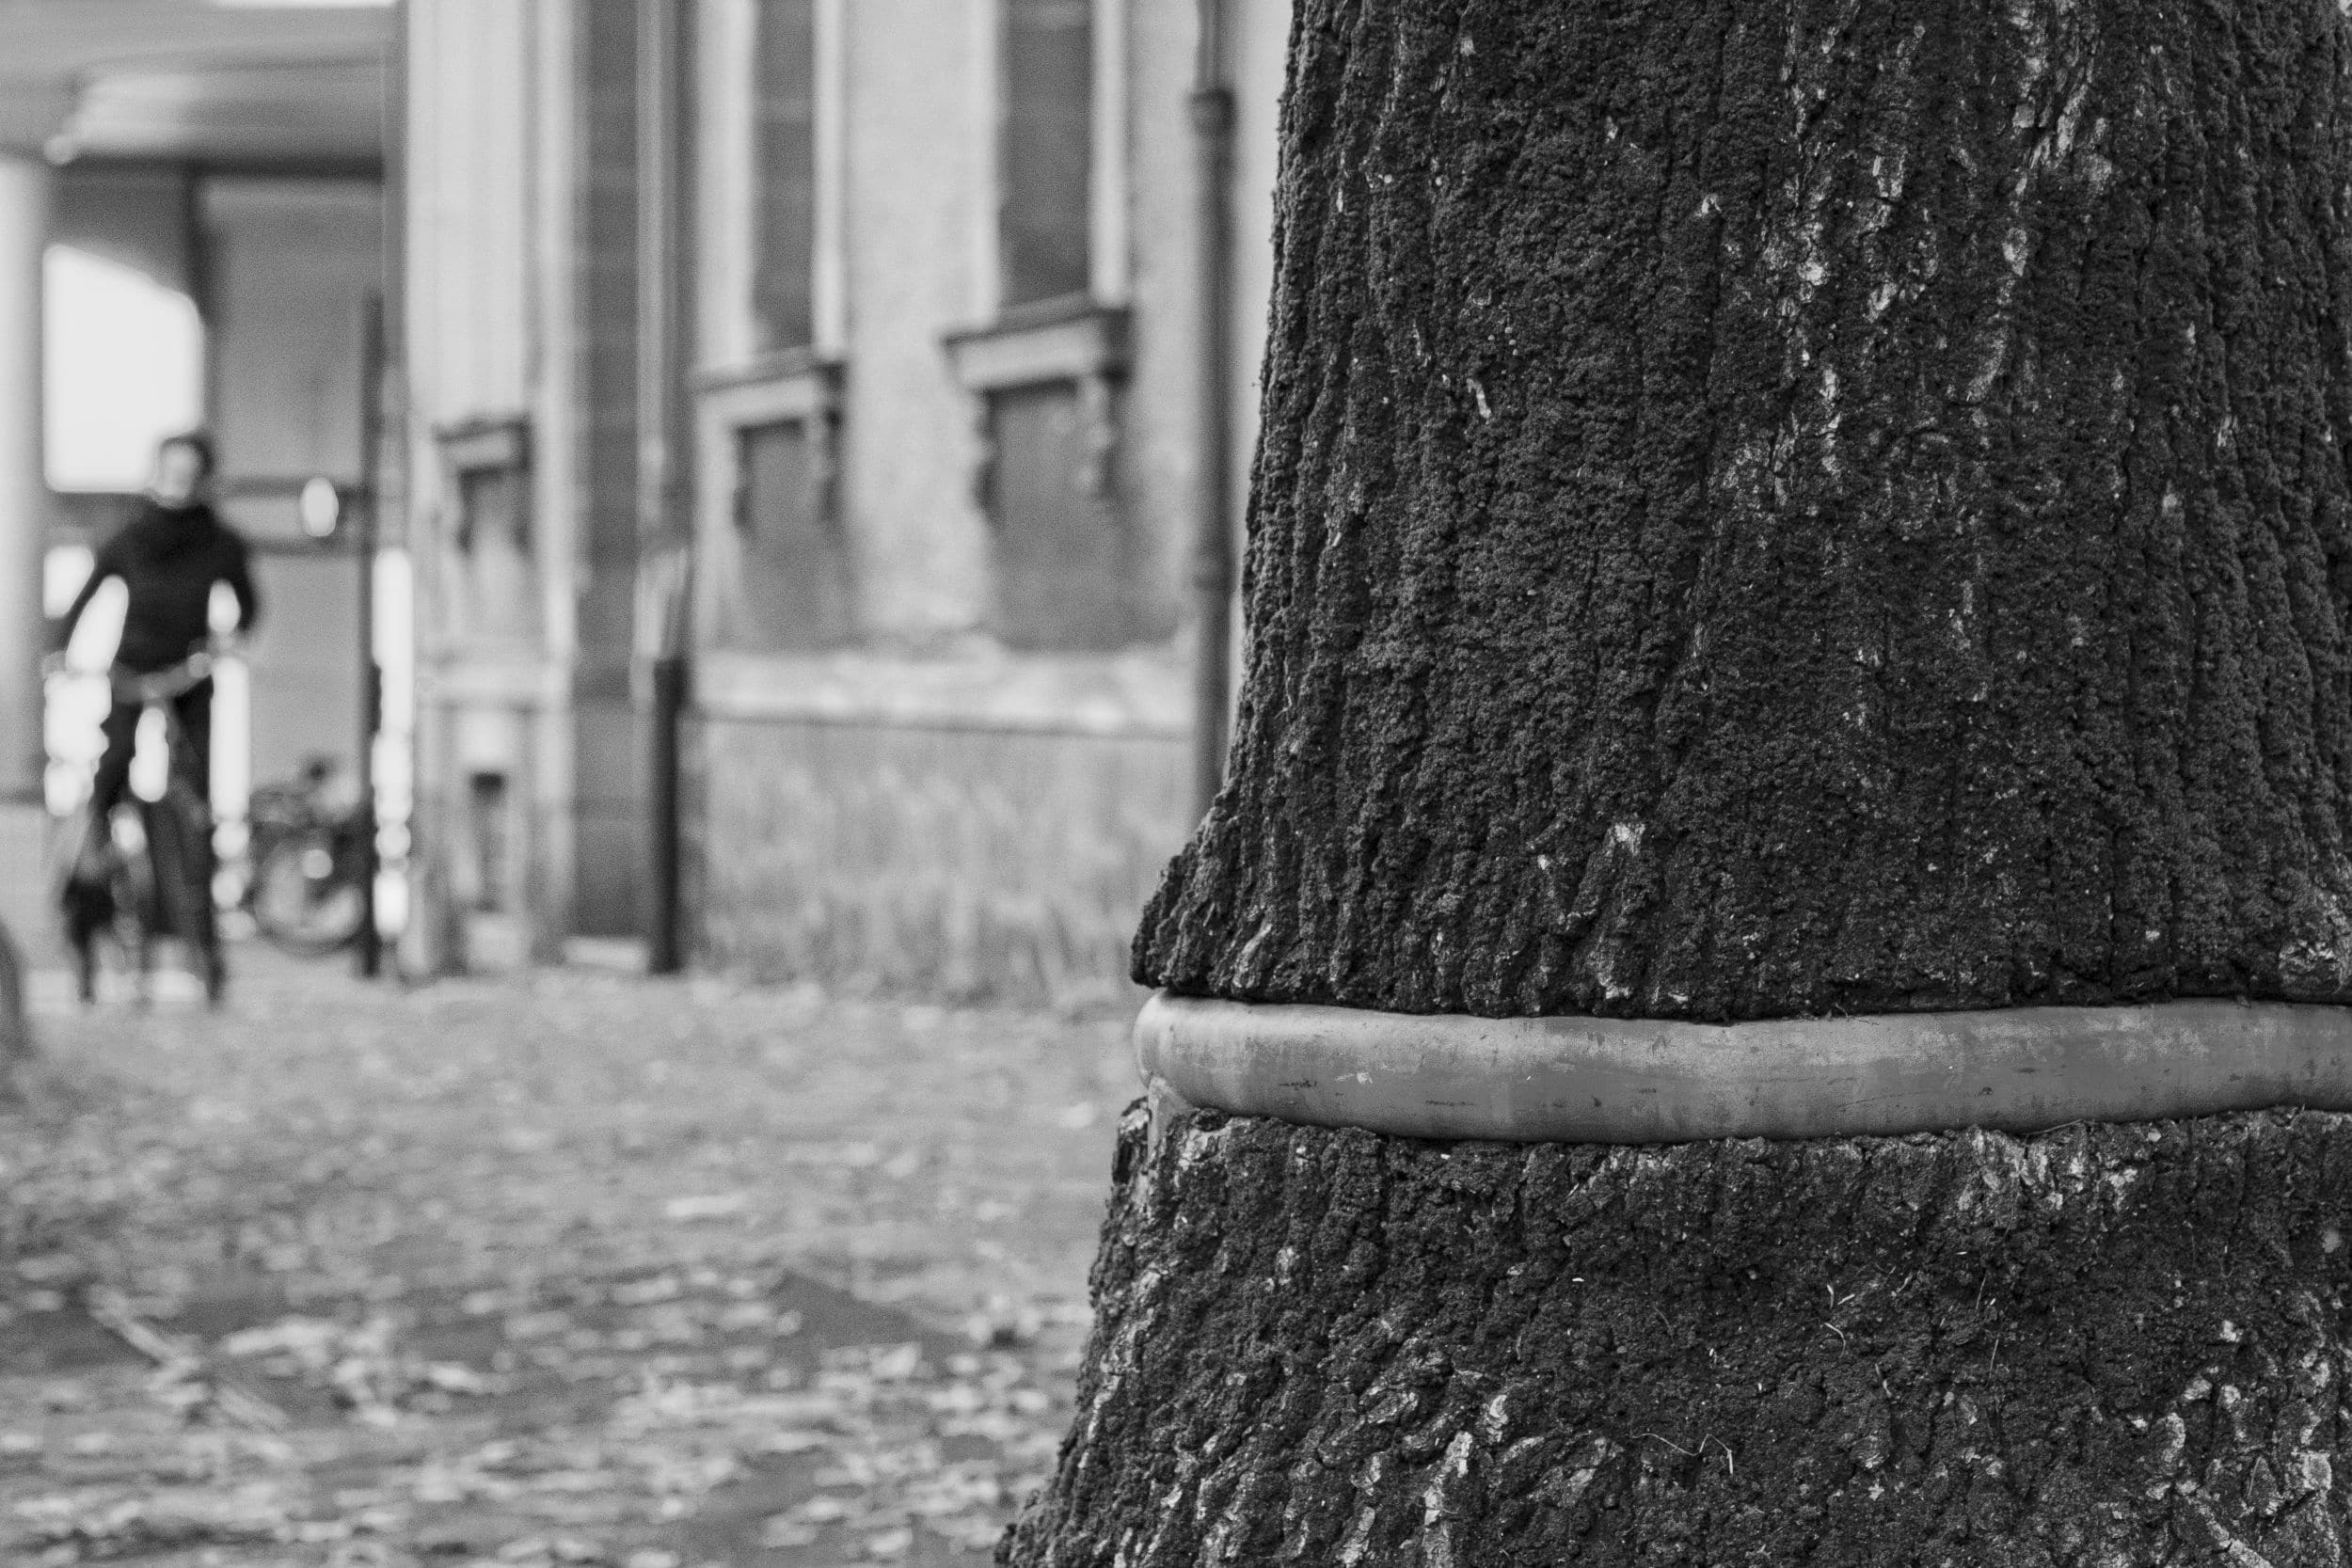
(1212, 540)
(664, 102)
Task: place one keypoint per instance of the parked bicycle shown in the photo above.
(308, 891)
(146, 871)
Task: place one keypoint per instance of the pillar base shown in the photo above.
(28, 876)
(2107, 1344)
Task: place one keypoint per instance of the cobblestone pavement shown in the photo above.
(565, 1268)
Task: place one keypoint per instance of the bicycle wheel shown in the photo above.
(304, 897)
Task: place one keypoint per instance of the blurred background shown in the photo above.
(740, 487)
(752, 481)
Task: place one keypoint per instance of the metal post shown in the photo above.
(1213, 539)
(387, 497)
(663, 685)
(665, 947)
(664, 105)
(369, 953)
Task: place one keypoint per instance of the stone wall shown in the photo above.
(966, 863)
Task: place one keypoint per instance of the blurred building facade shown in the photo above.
(942, 405)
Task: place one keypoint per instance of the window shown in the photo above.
(493, 539)
(796, 588)
(1061, 565)
(490, 514)
(494, 586)
(1045, 152)
(1048, 390)
(785, 153)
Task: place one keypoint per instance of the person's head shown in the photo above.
(183, 464)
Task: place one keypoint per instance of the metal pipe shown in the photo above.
(387, 492)
(1213, 539)
(368, 955)
(665, 106)
(394, 316)
(665, 948)
(660, 155)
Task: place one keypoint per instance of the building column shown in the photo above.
(26, 193)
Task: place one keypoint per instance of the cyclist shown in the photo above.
(168, 560)
(168, 557)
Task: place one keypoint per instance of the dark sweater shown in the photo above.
(169, 558)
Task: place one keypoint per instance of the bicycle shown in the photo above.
(147, 871)
(307, 891)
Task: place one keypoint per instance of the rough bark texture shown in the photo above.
(1765, 509)
(2115, 1345)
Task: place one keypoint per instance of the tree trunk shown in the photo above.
(1767, 510)
(2108, 1345)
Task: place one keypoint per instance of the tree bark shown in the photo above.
(1832, 505)
(1768, 509)
(2102, 1345)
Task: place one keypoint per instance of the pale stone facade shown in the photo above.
(494, 105)
(943, 408)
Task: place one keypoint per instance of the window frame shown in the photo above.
(780, 389)
(471, 449)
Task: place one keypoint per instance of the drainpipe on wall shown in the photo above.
(664, 105)
(386, 459)
(368, 949)
(1213, 539)
(664, 581)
